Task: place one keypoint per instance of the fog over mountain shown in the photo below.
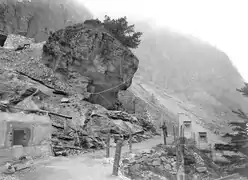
(221, 23)
(189, 68)
(179, 63)
(70, 86)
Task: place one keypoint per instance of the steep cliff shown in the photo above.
(82, 50)
(37, 17)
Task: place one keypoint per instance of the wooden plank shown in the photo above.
(230, 177)
(130, 142)
(117, 158)
(108, 145)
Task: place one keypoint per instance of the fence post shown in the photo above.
(174, 133)
(117, 157)
(164, 134)
(211, 153)
(65, 126)
(108, 145)
(130, 142)
(194, 140)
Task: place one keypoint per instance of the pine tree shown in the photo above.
(122, 31)
(240, 137)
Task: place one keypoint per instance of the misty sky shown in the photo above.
(222, 23)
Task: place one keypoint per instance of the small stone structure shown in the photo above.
(187, 123)
(13, 41)
(203, 136)
(24, 134)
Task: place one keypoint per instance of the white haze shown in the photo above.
(222, 23)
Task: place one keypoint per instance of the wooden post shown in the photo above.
(181, 135)
(174, 133)
(211, 153)
(194, 139)
(108, 145)
(180, 172)
(65, 126)
(165, 134)
(117, 157)
(130, 142)
(183, 131)
(134, 103)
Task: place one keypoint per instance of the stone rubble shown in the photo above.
(160, 162)
(27, 83)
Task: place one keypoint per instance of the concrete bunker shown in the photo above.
(24, 134)
(187, 123)
(203, 136)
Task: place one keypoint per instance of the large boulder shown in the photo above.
(85, 51)
(99, 123)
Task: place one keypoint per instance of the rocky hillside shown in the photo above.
(191, 70)
(37, 17)
(28, 85)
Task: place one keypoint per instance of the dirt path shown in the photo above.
(90, 166)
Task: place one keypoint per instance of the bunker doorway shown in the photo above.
(2, 39)
(20, 137)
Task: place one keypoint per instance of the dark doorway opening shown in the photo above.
(2, 39)
(20, 137)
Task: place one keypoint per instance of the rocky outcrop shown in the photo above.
(81, 51)
(99, 123)
(27, 85)
(36, 18)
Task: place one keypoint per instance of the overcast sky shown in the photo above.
(223, 23)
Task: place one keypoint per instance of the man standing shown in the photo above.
(165, 133)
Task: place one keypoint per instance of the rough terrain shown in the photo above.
(90, 166)
(82, 60)
(27, 83)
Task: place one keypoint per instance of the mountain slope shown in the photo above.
(192, 71)
(36, 18)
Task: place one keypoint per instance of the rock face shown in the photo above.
(26, 83)
(36, 18)
(81, 51)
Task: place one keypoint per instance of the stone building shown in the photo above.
(13, 41)
(24, 134)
